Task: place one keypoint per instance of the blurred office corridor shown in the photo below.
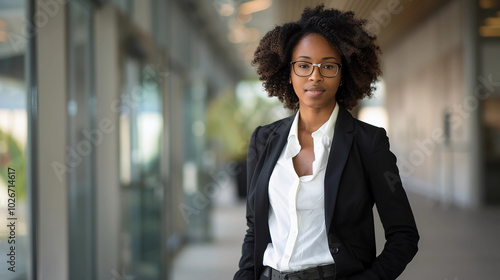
(219, 258)
(124, 127)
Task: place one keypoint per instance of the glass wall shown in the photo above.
(152, 153)
(82, 141)
(141, 129)
(14, 204)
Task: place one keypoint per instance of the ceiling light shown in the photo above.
(489, 31)
(489, 4)
(254, 6)
(492, 21)
(226, 10)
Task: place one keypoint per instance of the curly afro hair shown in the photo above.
(359, 51)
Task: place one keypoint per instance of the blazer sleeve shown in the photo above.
(394, 210)
(246, 263)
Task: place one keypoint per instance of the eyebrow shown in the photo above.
(324, 58)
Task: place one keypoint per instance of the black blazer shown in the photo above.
(361, 172)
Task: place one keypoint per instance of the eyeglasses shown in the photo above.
(305, 69)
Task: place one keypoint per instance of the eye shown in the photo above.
(303, 65)
(328, 66)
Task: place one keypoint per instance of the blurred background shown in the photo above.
(124, 126)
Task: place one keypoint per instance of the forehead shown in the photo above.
(314, 46)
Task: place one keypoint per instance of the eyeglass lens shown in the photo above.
(326, 69)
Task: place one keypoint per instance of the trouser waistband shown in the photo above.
(313, 273)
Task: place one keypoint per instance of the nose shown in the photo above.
(315, 75)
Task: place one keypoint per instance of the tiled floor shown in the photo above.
(455, 244)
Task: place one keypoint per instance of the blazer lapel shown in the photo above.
(272, 151)
(339, 152)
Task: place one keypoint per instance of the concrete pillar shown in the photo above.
(108, 194)
(52, 212)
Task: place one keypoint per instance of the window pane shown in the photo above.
(82, 141)
(14, 206)
(141, 127)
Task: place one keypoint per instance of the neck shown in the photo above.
(311, 119)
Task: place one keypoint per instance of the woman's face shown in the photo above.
(315, 91)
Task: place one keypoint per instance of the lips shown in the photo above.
(315, 90)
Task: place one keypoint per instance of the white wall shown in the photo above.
(424, 74)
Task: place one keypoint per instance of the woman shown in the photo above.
(314, 177)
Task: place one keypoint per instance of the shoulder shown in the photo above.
(366, 129)
(369, 137)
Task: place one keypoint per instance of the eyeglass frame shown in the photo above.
(319, 68)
